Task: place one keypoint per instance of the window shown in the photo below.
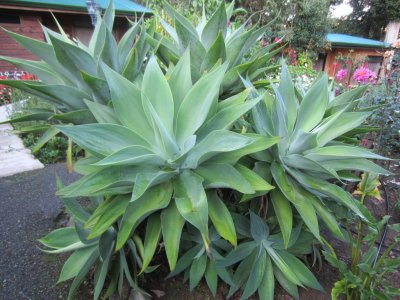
(9, 19)
(374, 63)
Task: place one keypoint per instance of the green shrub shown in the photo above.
(178, 150)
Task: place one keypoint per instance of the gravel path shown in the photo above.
(28, 211)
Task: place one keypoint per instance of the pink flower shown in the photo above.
(341, 74)
(364, 75)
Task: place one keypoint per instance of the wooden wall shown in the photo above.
(29, 26)
(332, 64)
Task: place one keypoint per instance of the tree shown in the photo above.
(369, 17)
(303, 23)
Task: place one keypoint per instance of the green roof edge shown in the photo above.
(75, 8)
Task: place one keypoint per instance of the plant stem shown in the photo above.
(355, 255)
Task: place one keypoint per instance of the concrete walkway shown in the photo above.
(14, 157)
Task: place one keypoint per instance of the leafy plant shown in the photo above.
(69, 73)
(364, 278)
(95, 254)
(214, 40)
(307, 158)
(167, 160)
(263, 256)
(174, 154)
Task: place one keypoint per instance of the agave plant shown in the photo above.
(213, 40)
(305, 164)
(71, 78)
(161, 154)
(263, 256)
(96, 254)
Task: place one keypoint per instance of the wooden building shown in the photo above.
(358, 48)
(26, 16)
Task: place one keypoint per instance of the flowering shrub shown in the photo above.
(364, 75)
(6, 91)
(341, 74)
(5, 95)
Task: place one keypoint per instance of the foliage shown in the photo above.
(364, 278)
(191, 9)
(303, 23)
(190, 150)
(5, 95)
(214, 40)
(387, 117)
(70, 74)
(369, 22)
(307, 158)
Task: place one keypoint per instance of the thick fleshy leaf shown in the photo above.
(98, 88)
(339, 152)
(217, 141)
(155, 198)
(171, 225)
(348, 96)
(127, 101)
(102, 113)
(216, 53)
(126, 43)
(343, 123)
(74, 263)
(211, 277)
(73, 58)
(197, 270)
(260, 143)
(60, 238)
(223, 176)
(283, 266)
(41, 69)
(238, 254)
(206, 89)
(258, 228)
(295, 195)
(331, 190)
(185, 260)
(256, 182)
(242, 273)
(111, 214)
(82, 273)
(180, 81)
(225, 118)
(289, 286)
(283, 212)
(145, 180)
(161, 96)
(103, 271)
(302, 272)
(77, 117)
(191, 200)
(256, 275)
(164, 137)
(361, 164)
(217, 23)
(42, 50)
(102, 139)
(153, 232)
(221, 218)
(313, 105)
(132, 155)
(62, 96)
(286, 89)
(326, 216)
(267, 286)
(97, 182)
